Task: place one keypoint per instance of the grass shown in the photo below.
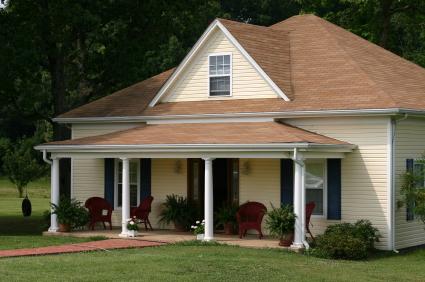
(193, 262)
(188, 261)
(17, 231)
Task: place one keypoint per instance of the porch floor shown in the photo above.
(171, 236)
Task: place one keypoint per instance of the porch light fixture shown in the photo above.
(246, 168)
(178, 167)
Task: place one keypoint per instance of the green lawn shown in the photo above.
(17, 231)
(181, 262)
(209, 263)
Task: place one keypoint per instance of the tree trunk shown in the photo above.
(21, 192)
(386, 22)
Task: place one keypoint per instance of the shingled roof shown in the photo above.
(317, 64)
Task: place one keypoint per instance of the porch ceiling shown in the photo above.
(264, 136)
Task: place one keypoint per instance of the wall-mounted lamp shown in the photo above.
(246, 168)
(178, 166)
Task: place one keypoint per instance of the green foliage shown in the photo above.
(199, 227)
(132, 224)
(413, 191)
(179, 210)
(347, 241)
(71, 212)
(226, 214)
(20, 164)
(281, 221)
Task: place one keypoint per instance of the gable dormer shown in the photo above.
(218, 68)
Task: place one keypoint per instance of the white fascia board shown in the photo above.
(274, 115)
(197, 147)
(195, 49)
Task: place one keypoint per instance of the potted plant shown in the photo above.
(178, 210)
(226, 216)
(70, 214)
(132, 226)
(199, 229)
(280, 222)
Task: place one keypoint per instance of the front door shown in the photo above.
(225, 182)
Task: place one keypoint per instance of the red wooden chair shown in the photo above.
(96, 206)
(142, 212)
(249, 216)
(309, 208)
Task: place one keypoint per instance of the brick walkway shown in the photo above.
(80, 247)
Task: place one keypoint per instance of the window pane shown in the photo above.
(227, 59)
(133, 172)
(314, 184)
(133, 195)
(316, 196)
(219, 85)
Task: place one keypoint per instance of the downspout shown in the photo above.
(45, 158)
(301, 163)
(392, 132)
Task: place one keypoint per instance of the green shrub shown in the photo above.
(179, 210)
(71, 212)
(347, 241)
(281, 221)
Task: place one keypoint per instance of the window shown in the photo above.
(419, 172)
(220, 78)
(134, 183)
(315, 185)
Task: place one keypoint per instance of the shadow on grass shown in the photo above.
(19, 225)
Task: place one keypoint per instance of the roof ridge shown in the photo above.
(351, 59)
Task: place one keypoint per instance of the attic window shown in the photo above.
(220, 75)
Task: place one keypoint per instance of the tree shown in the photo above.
(20, 165)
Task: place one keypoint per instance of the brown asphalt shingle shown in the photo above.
(210, 133)
(317, 64)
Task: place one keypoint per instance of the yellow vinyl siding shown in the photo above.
(364, 171)
(409, 144)
(261, 183)
(193, 83)
(88, 174)
(166, 181)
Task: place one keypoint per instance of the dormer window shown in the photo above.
(220, 75)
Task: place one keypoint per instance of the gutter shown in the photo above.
(276, 115)
(45, 159)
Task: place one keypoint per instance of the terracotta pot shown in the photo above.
(286, 240)
(179, 227)
(64, 227)
(228, 228)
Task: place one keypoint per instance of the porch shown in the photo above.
(172, 236)
(288, 149)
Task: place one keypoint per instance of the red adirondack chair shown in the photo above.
(249, 216)
(142, 212)
(309, 208)
(96, 207)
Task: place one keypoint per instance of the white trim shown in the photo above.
(390, 184)
(274, 115)
(218, 75)
(116, 178)
(215, 24)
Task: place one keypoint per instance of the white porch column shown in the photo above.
(299, 203)
(209, 201)
(54, 193)
(125, 206)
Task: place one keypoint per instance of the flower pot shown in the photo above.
(200, 237)
(286, 240)
(64, 227)
(179, 227)
(132, 233)
(228, 228)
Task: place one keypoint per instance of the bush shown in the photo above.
(179, 210)
(71, 212)
(347, 241)
(281, 221)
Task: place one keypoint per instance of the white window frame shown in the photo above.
(325, 187)
(219, 75)
(116, 166)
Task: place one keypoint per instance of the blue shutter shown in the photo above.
(334, 189)
(109, 181)
(286, 181)
(145, 178)
(409, 206)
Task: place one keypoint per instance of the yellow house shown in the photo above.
(301, 111)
